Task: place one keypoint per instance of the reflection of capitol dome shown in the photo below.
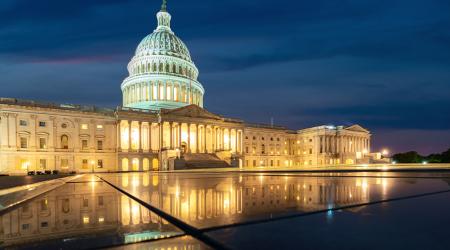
(162, 74)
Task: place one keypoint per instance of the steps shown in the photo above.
(204, 161)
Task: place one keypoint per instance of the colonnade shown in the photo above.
(162, 91)
(344, 144)
(138, 136)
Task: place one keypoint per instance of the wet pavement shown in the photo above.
(14, 181)
(202, 210)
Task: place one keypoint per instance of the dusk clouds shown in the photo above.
(382, 64)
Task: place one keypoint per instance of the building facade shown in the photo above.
(162, 118)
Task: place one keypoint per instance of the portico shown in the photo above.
(187, 130)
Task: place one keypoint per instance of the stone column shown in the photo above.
(229, 140)
(197, 143)
(119, 137)
(171, 135)
(189, 138)
(140, 136)
(129, 135)
(205, 150)
(180, 132)
(149, 137)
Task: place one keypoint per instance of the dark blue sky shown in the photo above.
(382, 64)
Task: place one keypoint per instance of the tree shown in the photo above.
(445, 156)
(408, 157)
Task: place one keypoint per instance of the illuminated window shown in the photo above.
(23, 142)
(42, 143)
(85, 164)
(44, 205)
(101, 219)
(161, 92)
(100, 201)
(84, 126)
(99, 127)
(85, 202)
(64, 163)
(155, 92)
(100, 164)
(169, 92)
(64, 142)
(86, 219)
(99, 145)
(175, 94)
(84, 144)
(43, 163)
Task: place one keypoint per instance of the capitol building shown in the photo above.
(162, 125)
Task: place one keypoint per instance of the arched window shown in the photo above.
(64, 142)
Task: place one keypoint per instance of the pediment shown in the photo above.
(357, 128)
(193, 111)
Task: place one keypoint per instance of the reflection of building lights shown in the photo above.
(394, 162)
(424, 162)
(86, 219)
(226, 204)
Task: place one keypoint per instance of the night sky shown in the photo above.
(382, 64)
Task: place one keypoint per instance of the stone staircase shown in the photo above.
(203, 161)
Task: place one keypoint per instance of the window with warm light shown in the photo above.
(86, 219)
(99, 127)
(84, 144)
(23, 142)
(84, 126)
(42, 143)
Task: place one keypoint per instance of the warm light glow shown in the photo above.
(84, 126)
(101, 219)
(86, 219)
(385, 152)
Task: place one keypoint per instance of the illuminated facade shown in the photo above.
(162, 119)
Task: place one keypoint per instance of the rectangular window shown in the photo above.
(84, 144)
(85, 164)
(99, 127)
(161, 92)
(99, 145)
(155, 92)
(42, 124)
(84, 126)
(25, 227)
(169, 92)
(85, 202)
(44, 205)
(310, 151)
(64, 163)
(43, 164)
(254, 163)
(100, 164)
(44, 224)
(100, 201)
(23, 142)
(23, 123)
(42, 143)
